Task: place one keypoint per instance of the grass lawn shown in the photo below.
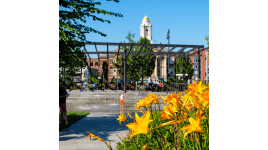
(72, 118)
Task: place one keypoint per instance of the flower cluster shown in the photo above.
(131, 86)
(183, 122)
(112, 86)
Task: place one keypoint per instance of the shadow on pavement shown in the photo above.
(101, 124)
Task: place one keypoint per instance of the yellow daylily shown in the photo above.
(138, 109)
(193, 93)
(121, 117)
(166, 115)
(144, 147)
(167, 123)
(194, 126)
(147, 101)
(92, 135)
(141, 125)
(140, 104)
(173, 98)
(170, 108)
(185, 115)
(130, 116)
(189, 106)
(154, 98)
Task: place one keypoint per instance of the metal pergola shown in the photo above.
(169, 53)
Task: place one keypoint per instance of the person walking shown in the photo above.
(150, 82)
(62, 103)
(122, 102)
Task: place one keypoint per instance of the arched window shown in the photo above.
(146, 32)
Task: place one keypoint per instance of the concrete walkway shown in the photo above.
(102, 124)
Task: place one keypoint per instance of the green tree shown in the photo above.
(105, 70)
(73, 29)
(207, 39)
(134, 67)
(188, 67)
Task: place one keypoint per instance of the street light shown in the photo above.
(63, 63)
(81, 73)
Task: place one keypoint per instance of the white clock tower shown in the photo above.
(146, 29)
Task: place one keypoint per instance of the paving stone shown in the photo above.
(101, 124)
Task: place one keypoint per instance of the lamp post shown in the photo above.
(81, 74)
(63, 76)
(103, 80)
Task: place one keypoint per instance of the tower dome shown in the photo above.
(146, 18)
(146, 29)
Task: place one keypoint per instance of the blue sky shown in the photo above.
(188, 21)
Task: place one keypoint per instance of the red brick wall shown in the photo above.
(203, 63)
(101, 62)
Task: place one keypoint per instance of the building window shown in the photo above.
(171, 61)
(171, 71)
(111, 61)
(146, 32)
(91, 63)
(96, 64)
(111, 71)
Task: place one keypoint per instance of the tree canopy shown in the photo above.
(188, 67)
(134, 66)
(73, 16)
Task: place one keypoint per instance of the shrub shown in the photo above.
(113, 80)
(94, 80)
(90, 86)
(112, 86)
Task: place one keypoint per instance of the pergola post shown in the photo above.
(183, 69)
(199, 64)
(150, 67)
(167, 68)
(175, 69)
(125, 71)
(122, 74)
(142, 71)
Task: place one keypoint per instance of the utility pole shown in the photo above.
(168, 54)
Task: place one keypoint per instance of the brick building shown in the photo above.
(203, 63)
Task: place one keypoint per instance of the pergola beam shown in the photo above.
(167, 52)
(138, 44)
(139, 51)
(146, 53)
(197, 52)
(97, 54)
(86, 52)
(178, 52)
(118, 52)
(129, 50)
(158, 51)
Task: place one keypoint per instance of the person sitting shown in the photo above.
(156, 84)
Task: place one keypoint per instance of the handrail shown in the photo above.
(176, 87)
